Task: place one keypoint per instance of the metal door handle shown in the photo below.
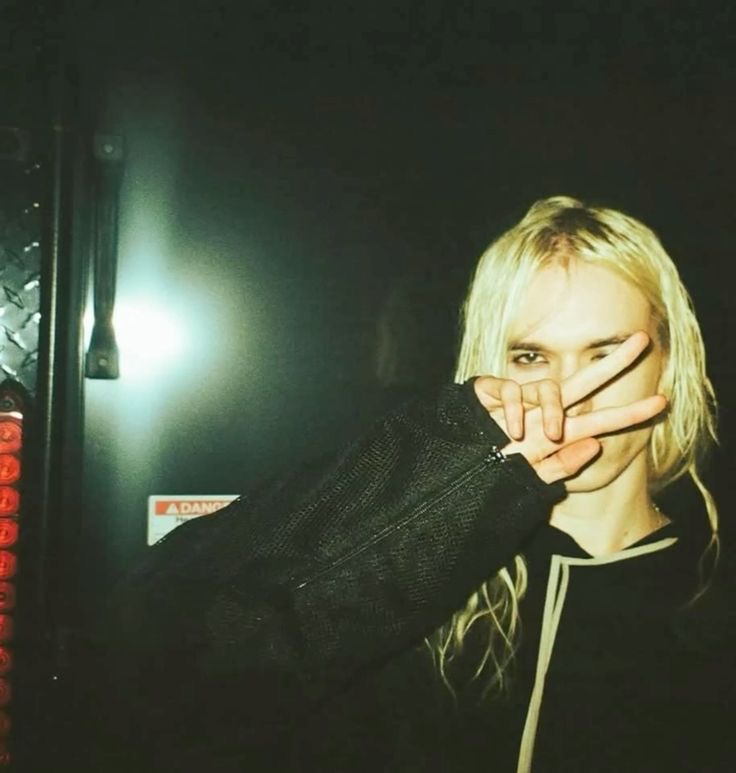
(102, 361)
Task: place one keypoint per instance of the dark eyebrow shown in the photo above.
(532, 346)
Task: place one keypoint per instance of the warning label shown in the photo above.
(167, 511)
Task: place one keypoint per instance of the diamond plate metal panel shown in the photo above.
(20, 271)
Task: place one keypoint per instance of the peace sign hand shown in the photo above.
(533, 414)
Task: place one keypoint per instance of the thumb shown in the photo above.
(567, 461)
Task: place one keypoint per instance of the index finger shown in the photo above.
(600, 372)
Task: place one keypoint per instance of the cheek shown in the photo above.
(619, 450)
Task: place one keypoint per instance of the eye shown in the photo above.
(528, 358)
(601, 354)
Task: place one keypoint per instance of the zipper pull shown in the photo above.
(496, 455)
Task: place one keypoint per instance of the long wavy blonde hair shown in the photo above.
(564, 228)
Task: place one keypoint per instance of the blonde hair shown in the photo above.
(564, 229)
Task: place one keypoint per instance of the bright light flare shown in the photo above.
(151, 337)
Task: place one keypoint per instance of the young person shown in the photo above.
(483, 582)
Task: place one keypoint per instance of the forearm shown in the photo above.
(265, 608)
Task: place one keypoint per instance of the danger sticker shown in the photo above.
(167, 511)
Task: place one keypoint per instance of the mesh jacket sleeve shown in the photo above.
(240, 622)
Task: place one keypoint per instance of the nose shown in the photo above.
(568, 366)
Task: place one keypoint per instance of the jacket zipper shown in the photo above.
(494, 457)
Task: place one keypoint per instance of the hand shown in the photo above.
(533, 414)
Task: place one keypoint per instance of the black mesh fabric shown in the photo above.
(242, 622)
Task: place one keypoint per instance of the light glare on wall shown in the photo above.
(150, 338)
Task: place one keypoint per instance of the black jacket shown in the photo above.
(286, 631)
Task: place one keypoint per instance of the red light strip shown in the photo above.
(11, 471)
